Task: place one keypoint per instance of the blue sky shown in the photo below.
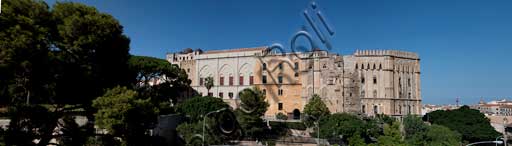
(464, 45)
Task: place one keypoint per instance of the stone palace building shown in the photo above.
(367, 82)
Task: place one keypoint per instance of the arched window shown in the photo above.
(264, 66)
(374, 93)
(241, 79)
(409, 109)
(230, 79)
(375, 109)
(363, 109)
(356, 66)
(296, 67)
(296, 74)
(221, 80)
(362, 66)
(374, 67)
(251, 79)
(264, 92)
(362, 94)
(368, 66)
(380, 66)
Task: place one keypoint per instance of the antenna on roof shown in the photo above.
(457, 101)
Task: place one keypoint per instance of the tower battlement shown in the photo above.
(395, 53)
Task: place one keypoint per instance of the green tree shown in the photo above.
(253, 107)
(315, 108)
(192, 134)
(281, 116)
(221, 127)
(172, 81)
(356, 140)
(123, 115)
(442, 136)
(415, 130)
(24, 48)
(195, 107)
(90, 49)
(392, 136)
(470, 123)
(208, 84)
(347, 125)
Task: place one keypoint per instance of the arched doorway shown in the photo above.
(296, 114)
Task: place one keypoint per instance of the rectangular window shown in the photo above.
(280, 79)
(230, 94)
(280, 65)
(296, 67)
(231, 81)
(241, 80)
(221, 81)
(279, 106)
(279, 92)
(251, 80)
(374, 80)
(264, 79)
(221, 95)
(210, 94)
(201, 81)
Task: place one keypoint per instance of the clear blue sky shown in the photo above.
(464, 45)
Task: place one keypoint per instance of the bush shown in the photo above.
(281, 116)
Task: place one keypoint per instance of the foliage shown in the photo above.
(384, 119)
(442, 136)
(197, 106)
(281, 116)
(253, 107)
(316, 109)
(413, 125)
(415, 130)
(29, 123)
(288, 125)
(73, 134)
(123, 115)
(65, 57)
(90, 49)
(392, 136)
(470, 123)
(191, 133)
(147, 70)
(221, 127)
(208, 83)
(24, 46)
(356, 140)
(346, 125)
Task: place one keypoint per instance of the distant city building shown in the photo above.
(495, 108)
(368, 82)
(427, 108)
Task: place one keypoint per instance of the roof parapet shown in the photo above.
(395, 53)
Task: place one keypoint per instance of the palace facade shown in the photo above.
(367, 82)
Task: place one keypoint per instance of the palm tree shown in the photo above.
(209, 84)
